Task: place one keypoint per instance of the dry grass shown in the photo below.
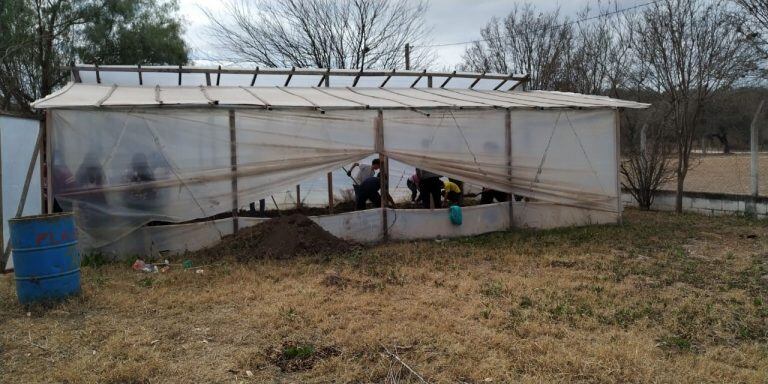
(663, 298)
(723, 174)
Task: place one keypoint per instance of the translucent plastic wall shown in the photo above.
(119, 170)
(18, 143)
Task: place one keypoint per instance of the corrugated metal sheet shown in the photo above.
(95, 96)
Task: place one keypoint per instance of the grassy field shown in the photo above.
(719, 173)
(662, 298)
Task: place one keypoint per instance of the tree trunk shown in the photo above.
(679, 197)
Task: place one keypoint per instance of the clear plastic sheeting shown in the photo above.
(19, 137)
(466, 145)
(119, 170)
(566, 157)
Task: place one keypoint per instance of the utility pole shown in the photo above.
(407, 56)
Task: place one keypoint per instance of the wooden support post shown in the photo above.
(407, 56)
(617, 157)
(383, 172)
(298, 197)
(255, 74)
(429, 81)
(233, 169)
(508, 150)
(208, 79)
(47, 163)
(330, 192)
(24, 191)
(138, 69)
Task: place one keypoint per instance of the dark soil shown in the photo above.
(280, 238)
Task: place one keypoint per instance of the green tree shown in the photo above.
(40, 38)
(134, 32)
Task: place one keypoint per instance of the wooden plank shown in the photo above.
(418, 78)
(477, 80)
(298, 196)
(520, 82)
(290, 76)
(387, 79)
(330, 193)
(98, 75)
(448, 79)
(180, 70)
(141, 79)
(48, 162)
(233, 169)
(304, 72)
(255, 74)
(384, 173)
(218, 76)
(429, 81)
(508, 148)
(208, 79)
(24, 192)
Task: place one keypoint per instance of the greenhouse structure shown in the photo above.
(216, 140)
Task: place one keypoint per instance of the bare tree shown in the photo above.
(322, 33)
(689, 50)
(525, 41)
(646, 164)
(755, 28)
(590, 56)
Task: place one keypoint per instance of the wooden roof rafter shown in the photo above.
(324, 74)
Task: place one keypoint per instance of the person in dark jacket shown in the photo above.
(430, 189)
(368, 190)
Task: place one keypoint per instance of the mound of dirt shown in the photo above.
(281, 238)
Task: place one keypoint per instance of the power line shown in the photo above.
(545, 29)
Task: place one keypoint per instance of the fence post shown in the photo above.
(508, 147)
(755, 161)
(233, 169)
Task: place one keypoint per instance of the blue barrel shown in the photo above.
(45, 257)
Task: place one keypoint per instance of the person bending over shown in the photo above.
(451, 192)
(364, 172)
(430, 189)
(368, 190)
(413, 186)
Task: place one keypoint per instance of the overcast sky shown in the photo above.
(450, 20)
